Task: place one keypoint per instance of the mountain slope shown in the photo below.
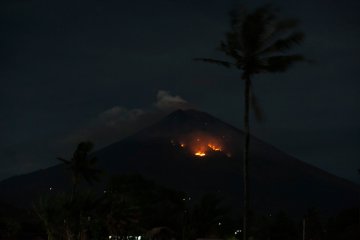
(197, 153)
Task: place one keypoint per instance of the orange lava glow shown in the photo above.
(202, 144)
(214, 147)
(200, 154)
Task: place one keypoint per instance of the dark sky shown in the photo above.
(75, 69)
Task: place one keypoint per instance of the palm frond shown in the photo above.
(284, 44)
(281, 63)
(233, 48)
(214, 61)
(279, 28)
(81, 166)
(254, 27)
(237, 17)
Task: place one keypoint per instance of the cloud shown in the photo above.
(166, 101)
(118, 122)
(107, 127)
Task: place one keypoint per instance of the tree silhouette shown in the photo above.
(50, 211)
(257, 43)
(207, 217)
(82, 166)
(66, 218)
(131, 202)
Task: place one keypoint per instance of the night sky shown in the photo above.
(89, 69)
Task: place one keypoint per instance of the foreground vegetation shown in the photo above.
(133, 206)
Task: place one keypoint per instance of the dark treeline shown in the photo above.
(133, 206)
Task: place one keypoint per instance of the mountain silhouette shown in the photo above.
(194, 152)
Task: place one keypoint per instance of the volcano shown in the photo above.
(192, 151)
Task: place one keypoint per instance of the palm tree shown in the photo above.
(257, 43)
(82, 166)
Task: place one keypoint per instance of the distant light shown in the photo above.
(219, 223)
(104, 191)
(184, 199)
(189, 198)
(50, 188)
(110, 237)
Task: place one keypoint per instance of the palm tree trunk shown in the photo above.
(246, 158)
(74, 188)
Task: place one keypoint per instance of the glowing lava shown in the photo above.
(201, 144)
(200, 154)
(214, 147)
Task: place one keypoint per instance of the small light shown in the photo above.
(219, 223)
(184, 199)
(189, 198)
(104, 191)
(50, 188)
(110, 237)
